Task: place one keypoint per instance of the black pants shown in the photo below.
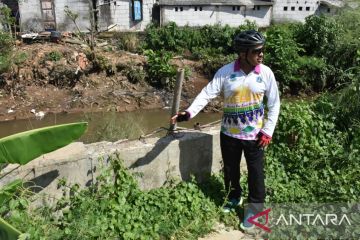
(231, 150)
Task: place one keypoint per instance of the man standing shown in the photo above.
(244, 83)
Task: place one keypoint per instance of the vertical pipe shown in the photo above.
(177, 95)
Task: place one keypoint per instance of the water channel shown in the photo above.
(109, 126)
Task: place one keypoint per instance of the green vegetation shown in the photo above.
(6, 50)
(33, 144)
(115, 208)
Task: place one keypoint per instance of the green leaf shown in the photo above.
(8, 232)
(23, 147)
(8, 190)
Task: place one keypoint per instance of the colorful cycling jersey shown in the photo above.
(243, 116)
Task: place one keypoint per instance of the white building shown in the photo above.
(122, 15)
(298, 10)
(202, 12)
(39, 15)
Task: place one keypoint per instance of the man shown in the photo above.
(244, 84)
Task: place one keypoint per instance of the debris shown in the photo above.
(103, 44)
(38, 115)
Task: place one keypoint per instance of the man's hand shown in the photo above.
(180, 117)
(263, 139)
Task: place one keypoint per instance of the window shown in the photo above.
(200, 8)
(285, 8)
(181, 9)
(195, 8)
(292, 8)
(176, 9)
(238, 8)
(233, 8)
(307, 8)
(258, 7)
(300, 8)
(328, 10)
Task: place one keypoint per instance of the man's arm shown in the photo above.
(210, 91)
(273, 104)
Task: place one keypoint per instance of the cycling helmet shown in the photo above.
(248, 39)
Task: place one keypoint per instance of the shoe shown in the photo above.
(246, 225)
(232, 204)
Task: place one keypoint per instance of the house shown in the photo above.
(40, 15)
(298, 10)
(202, 12)
(134, 15)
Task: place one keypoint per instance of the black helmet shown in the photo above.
(248, 39)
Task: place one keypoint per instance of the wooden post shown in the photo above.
(177, 95)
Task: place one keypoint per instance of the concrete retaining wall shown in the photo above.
(157, 159)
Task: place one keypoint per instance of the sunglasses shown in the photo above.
(258, 51)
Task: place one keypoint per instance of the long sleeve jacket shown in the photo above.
(243, 108)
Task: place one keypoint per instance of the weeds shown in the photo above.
(115, 208)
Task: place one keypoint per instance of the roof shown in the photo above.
(334, 3)
(216, 2)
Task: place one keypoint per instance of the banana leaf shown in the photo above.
(8, 232)
(23, 147)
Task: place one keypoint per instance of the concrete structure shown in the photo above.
(40, 15)
(298, 10)
(119, 14)
(189, 153)
(134, 15)
(203, 12)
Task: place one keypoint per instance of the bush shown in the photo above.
(282, 53)
(128, 42)
(212, 63)
(309, 160)
(115, 208)
(160, 71)
(318, 35)
(180, 39)
(134, 73)
(6, 48)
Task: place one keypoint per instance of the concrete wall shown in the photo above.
(298, 10)
(190, 153)
(80, 7)
(31, 18)
(210, 15)
(119, 13)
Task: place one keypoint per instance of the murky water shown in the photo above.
(108, 126)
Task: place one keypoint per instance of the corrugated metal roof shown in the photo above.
(216, 2)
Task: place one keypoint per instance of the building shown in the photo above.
(134, 15)
(298, 10)
(40, 15)
(202, 12)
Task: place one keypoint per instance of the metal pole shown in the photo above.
(177, 95)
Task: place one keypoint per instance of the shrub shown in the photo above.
(160, 71)
(282, 53)
(318, 35)
(115, 207)
(6, 48)
(134, 73)
(309, 160)
(128, 42)
(212, 63)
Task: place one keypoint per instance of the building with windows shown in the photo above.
(202, 12)
(135, 15)
(298, 10)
